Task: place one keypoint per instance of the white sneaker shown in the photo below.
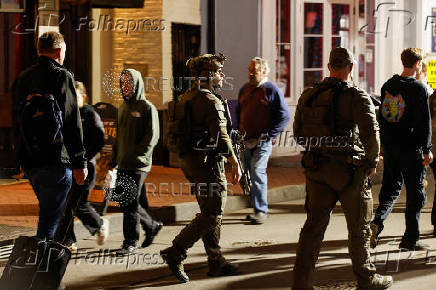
(73, 247)
(103, 232)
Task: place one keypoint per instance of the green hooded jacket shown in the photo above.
(137, 130)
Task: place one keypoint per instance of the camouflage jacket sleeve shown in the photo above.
(365, 118)
(217, 124)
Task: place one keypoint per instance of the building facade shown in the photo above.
(296, 37)
(157, 36)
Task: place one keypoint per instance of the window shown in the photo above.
(283, 35)
(313, 43)
(341, 25)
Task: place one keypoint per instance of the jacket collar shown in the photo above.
(47, 60)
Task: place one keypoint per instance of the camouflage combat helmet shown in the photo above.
(205, 62)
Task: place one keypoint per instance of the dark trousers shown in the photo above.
(433, 210)
(208, 181)
(51, 185)
(78, 202)
(401, 165)
(136, 211)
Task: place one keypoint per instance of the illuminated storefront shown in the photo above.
(306, 32)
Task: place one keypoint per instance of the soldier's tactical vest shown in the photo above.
(320, 127)
(182, 136)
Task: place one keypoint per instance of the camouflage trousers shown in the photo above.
(208, 182)
(334, 181)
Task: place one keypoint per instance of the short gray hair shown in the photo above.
(263, 63)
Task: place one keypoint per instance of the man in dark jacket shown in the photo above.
(137, 135)
(93, 138)
(263, 114)
(405, 133)
(50, 174)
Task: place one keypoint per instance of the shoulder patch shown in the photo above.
(393, 107)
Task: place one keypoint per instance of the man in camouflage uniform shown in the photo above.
(205, 168)
(342, 150)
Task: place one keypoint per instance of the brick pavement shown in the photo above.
(19, 206)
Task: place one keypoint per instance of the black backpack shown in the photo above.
(41, 124)
(179, 126)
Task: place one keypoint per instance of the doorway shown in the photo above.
(186, 41)
(327, 24)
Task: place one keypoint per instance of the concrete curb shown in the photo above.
(181, 211)
(12, 181)
(187, 210)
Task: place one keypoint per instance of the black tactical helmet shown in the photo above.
(205, 62)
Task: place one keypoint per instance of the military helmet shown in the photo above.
(205, 62)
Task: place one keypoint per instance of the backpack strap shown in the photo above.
(338, 89)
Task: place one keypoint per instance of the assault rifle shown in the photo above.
(239, 148)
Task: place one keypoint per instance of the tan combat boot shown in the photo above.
(376, 282)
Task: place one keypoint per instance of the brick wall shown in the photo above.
(140, 47)
(152, 48)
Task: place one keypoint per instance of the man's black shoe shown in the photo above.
(413, 246)
(126, 250)
(226, 269)
(249, 217)
(175, 267)
(150, 235)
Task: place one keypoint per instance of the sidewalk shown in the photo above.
(167, 194)
(265, 254)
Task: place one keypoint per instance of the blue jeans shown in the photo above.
(79, 206)
(51, 185)
(401, 165)
(257, 162)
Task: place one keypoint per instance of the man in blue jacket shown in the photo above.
(262, 115)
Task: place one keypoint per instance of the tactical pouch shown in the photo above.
(361, 179)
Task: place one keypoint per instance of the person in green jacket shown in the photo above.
(137, 134)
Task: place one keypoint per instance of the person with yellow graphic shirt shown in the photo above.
(405, 135)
